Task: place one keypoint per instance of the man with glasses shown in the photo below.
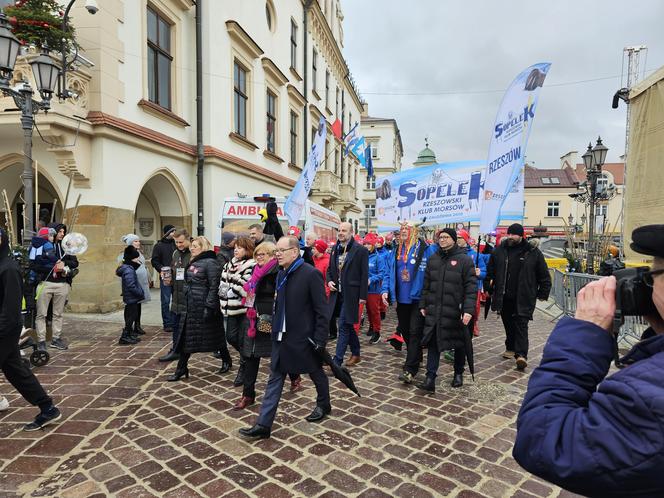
(590, 434)
(300, 318)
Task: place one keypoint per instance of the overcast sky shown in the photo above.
(434, 46)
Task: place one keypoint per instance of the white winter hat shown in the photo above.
(130, 238)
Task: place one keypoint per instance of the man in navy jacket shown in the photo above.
(590, 434)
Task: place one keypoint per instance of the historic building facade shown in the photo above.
(128, 142)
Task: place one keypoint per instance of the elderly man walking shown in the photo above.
(348, 277)
(300, 317)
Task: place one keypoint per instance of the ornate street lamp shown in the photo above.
(9, 48)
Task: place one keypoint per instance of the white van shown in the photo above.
(237, 214)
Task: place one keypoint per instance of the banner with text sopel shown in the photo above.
(438, 194)
(507, 149)
(298, 196)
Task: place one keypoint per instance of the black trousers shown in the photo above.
(433, 359)
(19, 375)
(410, 326)
(131, 314)
(138, 316)
(516, 329)
(251, 366)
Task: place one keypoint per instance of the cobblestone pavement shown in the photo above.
(128, 433)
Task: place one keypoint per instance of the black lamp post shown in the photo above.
(46, 76)
(593, 160)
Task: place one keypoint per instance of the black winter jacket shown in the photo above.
(180, 261)
(261, 345)
(534, 278)
(132, 292)
(11, 294)
(162, 253)
(449, 291)
(202, 325)
(70, 262)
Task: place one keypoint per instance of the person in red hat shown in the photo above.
(377, 272)
(305, 251)
(321, 260)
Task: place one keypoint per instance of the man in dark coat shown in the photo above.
(179, 264)
(447, 304)
(589, 434)
(162, 256)
(348, 277)
(11, 324)
(518, 276)
(300, 315)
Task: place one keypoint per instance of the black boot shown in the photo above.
(134, 336)
(126, 338)
(239, 379)
(179, 373)
(170, 356)
(138, 330)
(457, 381)
(226, 366)
(429, 385)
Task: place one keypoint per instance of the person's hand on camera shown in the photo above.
(596, 303)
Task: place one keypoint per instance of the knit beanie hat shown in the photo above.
(370, 239)
(130, 253)
(168, 229)
(464, 235)
(449, 231)
(320, 245)
(515, 229)
(129, 239)
(227, 238)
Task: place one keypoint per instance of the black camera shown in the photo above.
(633, 296)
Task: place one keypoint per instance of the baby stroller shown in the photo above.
(37, 358)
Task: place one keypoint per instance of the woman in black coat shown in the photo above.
(259, 302)
(201, 325)
(448, 304)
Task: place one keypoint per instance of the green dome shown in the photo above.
(425, 157)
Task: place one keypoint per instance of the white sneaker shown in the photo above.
(4, 404)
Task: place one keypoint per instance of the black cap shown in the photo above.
(168, 229)
(451, 232)
(130, 253)
(515, 229)
(649, 240)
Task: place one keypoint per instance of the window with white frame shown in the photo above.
(271, 120)
(370, 210)
(371, 182)
(293, 138)
(553, 208)
(293, 45)
(240, 99)
(374, 149)
(314, 70)
(159, 60)
(603, 210)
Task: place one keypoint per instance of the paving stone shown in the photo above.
(182, 492)
(146, 469)
(258, 461)
(458, 473)
(54, 445)
(30, 465)
(200, 477)
(387, 481)
(284, 474)
(308, 487)
(373, 493)
(243, 476)
(106, 472)
(343, 482)
(217, 488)
(272, 490)
(115, 485)
(408, 490)
(162, 481)
(399, 467)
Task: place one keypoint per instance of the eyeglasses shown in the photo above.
(649, 277)
(281, 251)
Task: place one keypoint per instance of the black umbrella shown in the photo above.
(470, 356)
(339, 371)
(487, 305)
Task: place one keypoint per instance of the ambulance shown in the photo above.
(237, 214)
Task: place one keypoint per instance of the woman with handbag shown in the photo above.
(201, 324)
(234, 275)
(259, 301)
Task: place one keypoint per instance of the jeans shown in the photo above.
(347, 337)
(433, 359)
(516, 329)
(275, 386)
(251, 366)
(167, 316)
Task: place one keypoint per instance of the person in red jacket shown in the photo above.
(321, 260)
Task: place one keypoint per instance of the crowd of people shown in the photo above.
(237, 297)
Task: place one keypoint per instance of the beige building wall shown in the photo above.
(644, 203)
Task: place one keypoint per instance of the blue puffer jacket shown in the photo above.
(42, 258)
(132, 292)
(390, 281)
(479, 262)
(377, 272)
(591, 435)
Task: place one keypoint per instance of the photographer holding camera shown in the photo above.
(588, 434)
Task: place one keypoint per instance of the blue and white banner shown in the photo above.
(298, 196)
(438, 194)
(507, 149)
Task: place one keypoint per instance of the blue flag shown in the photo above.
(369, 161)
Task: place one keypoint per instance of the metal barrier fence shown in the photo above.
(564, 290)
